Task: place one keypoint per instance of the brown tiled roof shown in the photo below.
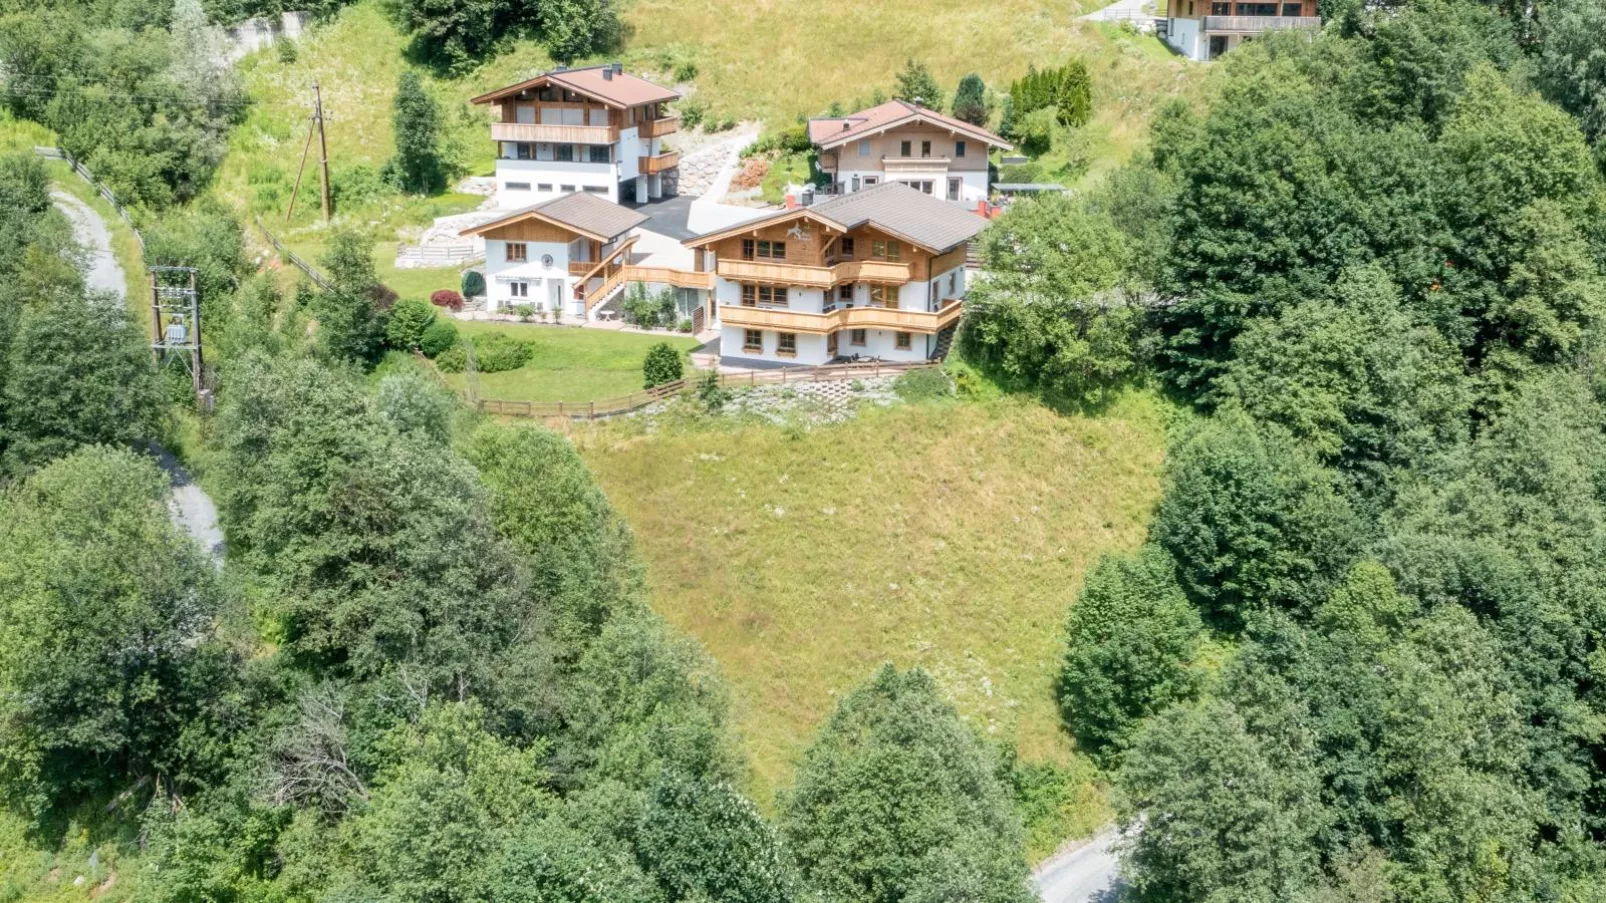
(832, 131)
(930, 222)
(581, 212)
(622, 90)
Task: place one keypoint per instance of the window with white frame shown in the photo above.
(519, 289)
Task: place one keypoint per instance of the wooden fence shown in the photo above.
(292, 258)
(624, 404)
(60, 153)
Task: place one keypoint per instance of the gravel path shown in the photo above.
(192, 509)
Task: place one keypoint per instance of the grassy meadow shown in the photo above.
(947, 535)
(570, 363)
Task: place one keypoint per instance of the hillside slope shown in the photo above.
(951, 536)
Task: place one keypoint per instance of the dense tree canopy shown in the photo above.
(898, 800)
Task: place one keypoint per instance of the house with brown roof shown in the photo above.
(596, 130)
(904, 142)
(566, 255)
(878, 273)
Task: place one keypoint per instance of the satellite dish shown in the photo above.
(546, 261)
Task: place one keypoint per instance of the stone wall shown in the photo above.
(234, 42)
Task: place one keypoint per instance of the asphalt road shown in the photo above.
(1086, 874)
(192, 510)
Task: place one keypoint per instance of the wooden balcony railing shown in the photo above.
(914, 164)
(1254, 24)
(660, 163)
(669, 276)
(873, 271)
(816, 277)
(779, 273)
(657, 128)
(785, 320)
(559, 134)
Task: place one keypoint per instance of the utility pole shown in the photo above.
(323, 146)
(306, 150)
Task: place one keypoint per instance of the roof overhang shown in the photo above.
(540, 81)
(850, 135)
(753, 226)
(520, 216)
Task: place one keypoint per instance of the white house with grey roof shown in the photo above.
(879, 273)
(567, 255)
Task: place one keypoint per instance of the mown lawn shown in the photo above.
(570, 363)
(951, 536)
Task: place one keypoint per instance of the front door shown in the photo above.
(830, 345)
(1218, 45)
(554, 295)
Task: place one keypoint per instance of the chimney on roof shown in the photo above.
(607, 73)
(618, 68)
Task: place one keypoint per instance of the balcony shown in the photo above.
(652, 166)
(816, 277)
(556, 134)
(669, 276)
(776, 273)
(892, 318)
(871, 271)
(657, 128)
(1258, 24)
(915, 164)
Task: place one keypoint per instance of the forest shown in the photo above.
(1359, 656)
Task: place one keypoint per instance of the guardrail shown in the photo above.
(624, 404)
(60, 153)
(290, 257)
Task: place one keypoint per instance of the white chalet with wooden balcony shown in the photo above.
(596, 130)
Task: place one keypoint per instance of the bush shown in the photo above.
(358, 186)
(525, 312)
(661, 366)
(1130, 640)
(448, 299)
(711, 393)
(693, 112)
(493, 353)
(473, 284)
(923, 384)
(683, 326)
(437, 337)
(408, 321)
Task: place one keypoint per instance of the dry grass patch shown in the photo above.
(951, 536)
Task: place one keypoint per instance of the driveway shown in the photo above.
(668, 216)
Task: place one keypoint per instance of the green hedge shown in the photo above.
(493, 353)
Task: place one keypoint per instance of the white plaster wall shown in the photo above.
(973, 183)
(882, 343)
(554, 173)
(500, 274)
(810, 348)
(1185, 36)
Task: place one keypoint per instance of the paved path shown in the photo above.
(191, 508)
(1140, 12)
(105, 273)
(1086, 874)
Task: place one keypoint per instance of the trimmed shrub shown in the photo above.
(408, 320)
(473, 284)
(437, 337)
(661, 366)
(448, 299)
(493, 353)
